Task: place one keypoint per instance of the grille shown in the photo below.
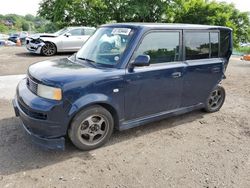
(32, 85)
(35, 41)
(36, 115)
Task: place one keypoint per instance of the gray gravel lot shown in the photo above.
(192, 150)
(16, 60)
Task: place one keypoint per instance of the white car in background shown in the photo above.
(69, 39)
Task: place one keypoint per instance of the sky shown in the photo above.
(23, 7)
(242, 5)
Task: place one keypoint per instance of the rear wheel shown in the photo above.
(91, 128)
(48, 49)
(215, 99)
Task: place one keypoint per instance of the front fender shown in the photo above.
(54, 40)
(92, 99)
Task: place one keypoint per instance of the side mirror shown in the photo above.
(67, 34)
(141, 60)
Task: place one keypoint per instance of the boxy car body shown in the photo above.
(186, 63)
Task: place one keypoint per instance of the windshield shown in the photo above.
(106, 46)
(62, 31)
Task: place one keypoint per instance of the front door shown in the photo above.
(157, 88)
(74, 41)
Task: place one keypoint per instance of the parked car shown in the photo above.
(21, 36)
(124, 76)
(2, 42)
(7, 43)
(3, 36)
(245, 44)
(69, 39)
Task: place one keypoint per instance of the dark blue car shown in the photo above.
(125, 75)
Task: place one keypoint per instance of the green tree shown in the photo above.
(25, 26)
(96, 12)
(3, 28)
(214, 13)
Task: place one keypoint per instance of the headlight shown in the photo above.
(49, 92)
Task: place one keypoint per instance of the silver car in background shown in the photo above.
(69, 39)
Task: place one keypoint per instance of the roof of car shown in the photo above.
(73, 27)
(167, 25)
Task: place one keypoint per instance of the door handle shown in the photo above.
(176, 74)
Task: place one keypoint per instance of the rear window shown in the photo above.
(197, 45)
(201, 45)
(214, 42)
(225, 43)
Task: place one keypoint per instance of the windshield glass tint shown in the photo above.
(106, 46)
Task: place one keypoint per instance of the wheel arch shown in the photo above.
(109, 107)
(52, 42)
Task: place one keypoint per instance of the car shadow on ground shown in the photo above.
(18, 154)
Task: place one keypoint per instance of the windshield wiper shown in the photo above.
(74, 56)
(93, 63)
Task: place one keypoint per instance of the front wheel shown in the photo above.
(49, 49)
(91, 128)
(215, 100)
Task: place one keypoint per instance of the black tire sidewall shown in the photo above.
(76, 122)
(207, 106)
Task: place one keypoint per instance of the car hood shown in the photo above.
(39, 35)
(63, 71)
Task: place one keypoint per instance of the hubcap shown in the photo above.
(93, 129)
(215, 99)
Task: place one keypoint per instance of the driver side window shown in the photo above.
(162, 47)
(76, 32)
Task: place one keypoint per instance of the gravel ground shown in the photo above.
(192, 150)
(15, 60)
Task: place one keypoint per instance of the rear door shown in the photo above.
(204, 67)
(158, 87)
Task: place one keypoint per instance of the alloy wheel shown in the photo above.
(93, 129)
(215, 99)
(48, 49)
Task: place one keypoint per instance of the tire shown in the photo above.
(91, 128)
(215, 100)
(49, 49)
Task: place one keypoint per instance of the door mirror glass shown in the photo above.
(141, 60)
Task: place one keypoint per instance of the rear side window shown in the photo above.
(162, 47)
(214, 42)
(224, 43)
(197, 45)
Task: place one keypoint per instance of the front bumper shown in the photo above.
(33, 47)
(47, 143)
(46, 131)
